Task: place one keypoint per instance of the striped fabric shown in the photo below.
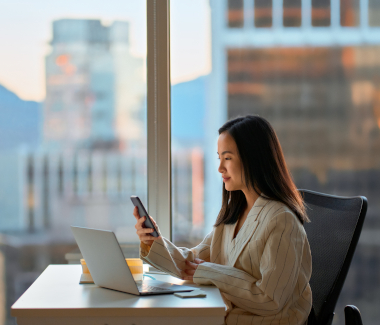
(263, 273)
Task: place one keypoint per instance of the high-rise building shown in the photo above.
(311, 68)
(95, 87)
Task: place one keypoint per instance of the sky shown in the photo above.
(27, 29)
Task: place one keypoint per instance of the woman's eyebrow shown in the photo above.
(224, 152)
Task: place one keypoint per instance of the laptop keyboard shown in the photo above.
(148, 288)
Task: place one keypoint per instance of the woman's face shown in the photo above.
(230, 165)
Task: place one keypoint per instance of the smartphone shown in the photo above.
(143, 213)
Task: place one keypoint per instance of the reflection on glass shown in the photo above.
(235, 13)
(374, 13)
(349, 13)
(75, 153)
(263, 13)
(292, 13)
(320, 13)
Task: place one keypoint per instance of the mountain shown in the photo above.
(20, 121)
(188, 106)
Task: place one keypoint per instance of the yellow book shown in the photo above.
(135, 265)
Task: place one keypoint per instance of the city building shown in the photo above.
(91, 155)
(308, 66)
(95, 87)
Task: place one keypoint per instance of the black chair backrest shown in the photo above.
(334, 230)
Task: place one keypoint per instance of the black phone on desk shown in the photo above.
(143, 213)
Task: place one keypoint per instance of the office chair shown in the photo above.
(333, 233)
(352, 315)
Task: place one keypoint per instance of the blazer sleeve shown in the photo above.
(279, 266)
(169, 258)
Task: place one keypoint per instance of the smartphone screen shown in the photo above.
(143, 213)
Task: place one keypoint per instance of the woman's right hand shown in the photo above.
(144, 233)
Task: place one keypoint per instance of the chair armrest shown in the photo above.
(352, 315)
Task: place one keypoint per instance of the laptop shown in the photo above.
(108, 268)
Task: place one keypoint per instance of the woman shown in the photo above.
(258, 254)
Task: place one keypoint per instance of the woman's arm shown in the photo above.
(164, 255)
(279, 266)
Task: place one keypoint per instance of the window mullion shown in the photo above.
(158, 114)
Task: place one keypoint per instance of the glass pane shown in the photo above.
(235, 13)
(292, 13)
(323, 101)
(320, 13)
(72, 129)
(374, 12)
(190, 66)
(350, 13)
(263, 13)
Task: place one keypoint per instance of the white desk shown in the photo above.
(57, 298)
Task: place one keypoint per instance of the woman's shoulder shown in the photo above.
(279, 219)
(273, 207)
(278, 212)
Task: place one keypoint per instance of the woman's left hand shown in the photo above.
(192, 267)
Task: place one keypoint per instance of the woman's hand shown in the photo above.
(192, 267)
(144, 233)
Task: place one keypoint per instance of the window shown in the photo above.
(263, 13)
(72, 131)
(349, 13)
(292, 13)
(190, 68)
(76, 150)
(374, 13)
(235, 13)
(320, 13)
(316, 86)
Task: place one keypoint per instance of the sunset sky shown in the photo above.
(27, 29)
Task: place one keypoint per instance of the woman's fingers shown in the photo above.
(136, 213)
(198, 261)
(148, 238)
(195, 264)
(192, 267)
(144, 234)
(191, 264)
(139, 223)
(144, 231)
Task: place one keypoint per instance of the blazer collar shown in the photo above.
(257, 207)
(235, 246)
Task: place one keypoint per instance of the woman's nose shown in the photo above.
(221, 167)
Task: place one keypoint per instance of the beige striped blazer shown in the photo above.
(263, 273)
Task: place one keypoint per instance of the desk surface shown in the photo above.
(57, 293)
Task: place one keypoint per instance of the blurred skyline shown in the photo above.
(29, 31)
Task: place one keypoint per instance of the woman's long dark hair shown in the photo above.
(264, 168)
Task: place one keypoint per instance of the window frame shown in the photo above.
(158, 114)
